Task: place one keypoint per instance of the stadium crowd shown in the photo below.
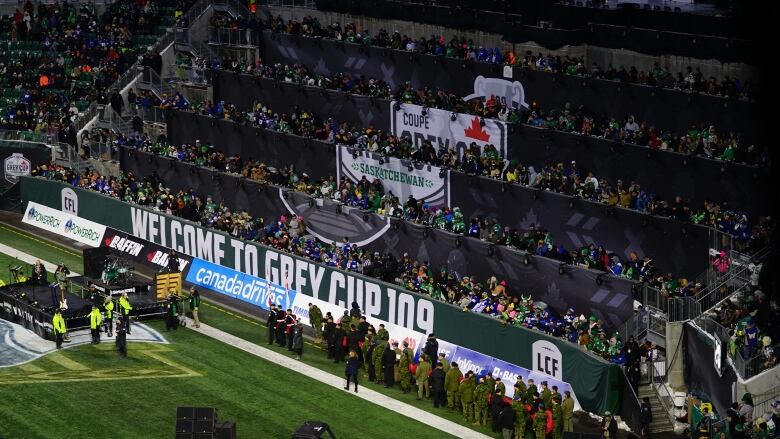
(462, 48)
(704, 139)
(569, 179)
(55, 59)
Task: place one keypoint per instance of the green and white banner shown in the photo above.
(401, 177)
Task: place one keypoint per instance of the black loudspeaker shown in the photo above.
(204, 436)
(185, 426)
(226, 430)
(185, 412)
(206, 414)
(183, 435)
(206, 426)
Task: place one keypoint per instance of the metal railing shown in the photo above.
(152, 80)
(680, 309)
(657, 374)
(762, 402)
(305, 4)
(754, 364)
(244, 37)
(30, 136)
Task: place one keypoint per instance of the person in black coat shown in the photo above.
(351, 369)
(355, 312)
(362, 328)
(388, 366)
(437, 386)
(432, 349)
(496, 402)
(506, 419)
(353, 339)
(370, 354)
(279, 328)
(338, 343)
(271, 324)
(121, 337)
(327, 335)
(645, 416)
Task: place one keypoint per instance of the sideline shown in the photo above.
(30, 259)
(337, 382)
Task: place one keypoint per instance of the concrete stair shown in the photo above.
(661, 421)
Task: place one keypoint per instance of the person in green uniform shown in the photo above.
(195, 306)
(567, 407)
(345, 321)
(368, 357)
(557, 417)
(376, 360)
(403, 366)
(491, 382)
(545, 394)
(421, 377)
(108, 320)
(58, 323)
(315, 318)
(95, 320)
(382, 334)
(531, 394)
(520, 388)
(522, 417)
(397, 365)
(466, 390)
(500, 386)
(451, 386)
(540, 422)
(480, 402)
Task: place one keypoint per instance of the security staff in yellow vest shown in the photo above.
(95, 319)
(58, 322)
(108, 315)
(124, 308)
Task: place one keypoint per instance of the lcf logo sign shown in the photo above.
(70, 201)
(547, 359)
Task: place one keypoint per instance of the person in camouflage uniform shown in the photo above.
(521, 419)
(382, 334)
(557, 417)
(540, 422)
(520, 388)
(397, 365)
(421, 377)
(452, 385)
(530, 394)
(368, 357)
(346, 321)
(500, 386)
(480, 402)
(315, 317)
(403, 366)
(376, 359)
(466, 390)
(545, 394)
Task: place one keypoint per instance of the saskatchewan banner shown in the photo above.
(423, 182)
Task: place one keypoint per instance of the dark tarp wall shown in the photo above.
(700, 373)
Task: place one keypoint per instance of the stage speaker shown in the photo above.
(206, 414)
(206, 426)
(185, 412)
(185, 426)
(226, 430)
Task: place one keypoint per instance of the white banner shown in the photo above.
(397, 333)
(64, 224)
(423, 182)
(438, 127)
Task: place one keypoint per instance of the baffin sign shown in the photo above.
(547, 359)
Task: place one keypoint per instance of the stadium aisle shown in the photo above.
(338, 382)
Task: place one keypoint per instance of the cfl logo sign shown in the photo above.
(547, 359)
(70, 201)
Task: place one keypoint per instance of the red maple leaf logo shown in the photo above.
(150, 256)
(476, 132)
(108, 241)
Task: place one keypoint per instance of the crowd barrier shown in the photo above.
(610, 300)
(550, 90)
(594, 381)
(665, 33)
(667, 174)
(619, 230)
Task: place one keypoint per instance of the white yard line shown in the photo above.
(402, 408)
(29, 259)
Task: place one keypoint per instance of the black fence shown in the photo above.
(675, 247)
(587, 291)
(654, 33)
(21, 312)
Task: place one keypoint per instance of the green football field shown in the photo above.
(87, 391)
